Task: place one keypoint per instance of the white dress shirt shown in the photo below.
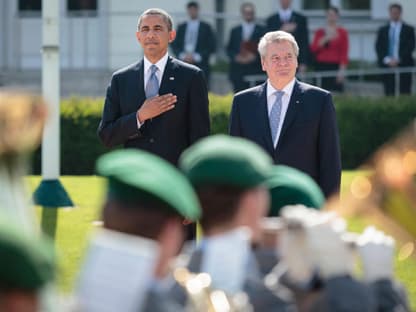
(161, 64)
(191, 39)
(271, 98)
(396, 27)
(285, 15)
(248, 29)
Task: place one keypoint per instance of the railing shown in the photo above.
(317, 76)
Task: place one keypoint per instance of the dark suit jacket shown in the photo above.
(406, 45)
(309, 137)
(233, 48)
(205, 44)
(168, 134)
(301, 33)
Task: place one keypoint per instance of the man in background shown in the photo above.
(296, 24)
(195, 40)
(395, 44)
(242, 48)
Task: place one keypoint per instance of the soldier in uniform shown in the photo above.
(147, 198)
(229, 176)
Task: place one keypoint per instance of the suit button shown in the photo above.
(152, 140)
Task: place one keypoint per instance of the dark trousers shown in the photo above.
(389, 83)
(329, 83)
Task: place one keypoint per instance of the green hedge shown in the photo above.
(364, 124)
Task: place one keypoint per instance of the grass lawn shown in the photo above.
(71, 228)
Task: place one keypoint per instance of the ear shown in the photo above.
(262, 65)
(172, 35)
(138, 36)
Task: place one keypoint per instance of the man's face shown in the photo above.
(280, 61)
(154, 36)
(247, 13)
(285, 4)
(395, 14)
(193, 12)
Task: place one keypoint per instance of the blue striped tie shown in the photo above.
(274, 117)
(152, 86)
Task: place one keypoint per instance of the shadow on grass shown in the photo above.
(49, 221)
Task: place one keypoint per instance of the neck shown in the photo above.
(156, 57)
(280, 84)
(220, 229)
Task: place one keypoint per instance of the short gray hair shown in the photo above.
(162, 13)
(277, 36)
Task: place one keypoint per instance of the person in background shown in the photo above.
(242, 48)
(395, 44)
(195, 40)
(295, 23)
(330, 51)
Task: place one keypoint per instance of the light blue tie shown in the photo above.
(274, 117)
(152, 86)
(392, 40)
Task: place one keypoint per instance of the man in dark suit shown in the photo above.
(242, 48)
(195, 41)
(395, 44)
(293, 121)
(296, 24)
(139, 114)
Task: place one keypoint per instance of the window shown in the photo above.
(82, 7)
(28, 8)
(342, 4)
(356, 4)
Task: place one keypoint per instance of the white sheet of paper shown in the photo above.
(117, 272)
(225, 259)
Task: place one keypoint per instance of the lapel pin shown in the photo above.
(297, 102)
(171, 78)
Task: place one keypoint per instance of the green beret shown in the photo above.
(289, 186)
(136, 175)
(226, 160)
(27, 262)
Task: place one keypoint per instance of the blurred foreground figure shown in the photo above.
(287, 186)
(317, 264)
(27, 268)
(127, 267)
(229, 175)
(22, 117)
(384, 192)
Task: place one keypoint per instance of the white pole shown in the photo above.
(51, 89)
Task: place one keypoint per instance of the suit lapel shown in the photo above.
(263, 117)
(140, 94)
(292, 110)
(168, 84)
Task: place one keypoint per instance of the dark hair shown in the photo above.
(193, 4)
(396, 6)
(247, 4)
(144, 219)
(333, 8)
(219, 204)
(162, 13)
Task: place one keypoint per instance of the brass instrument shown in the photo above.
(203, 298)
(384, 192)
(22, 117)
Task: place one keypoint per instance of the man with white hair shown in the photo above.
(293, 121)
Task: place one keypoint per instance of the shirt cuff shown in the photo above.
(197, 57)
(386, 60)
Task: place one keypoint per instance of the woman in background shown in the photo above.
(330, 50)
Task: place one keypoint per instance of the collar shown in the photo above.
(395, 24)
(287, 89)
(161, 64)
(286, 13)
(247, 24)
